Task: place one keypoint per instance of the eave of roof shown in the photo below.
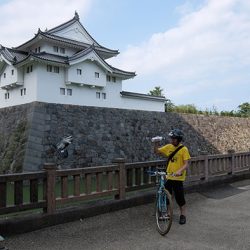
(67, 41)
(114, 70)
(18, 58)
(43, 56)
(12, 55)
(143, 96)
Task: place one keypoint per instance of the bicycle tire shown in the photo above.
(164, 225)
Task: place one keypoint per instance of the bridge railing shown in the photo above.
(52, 188)
(19, 192)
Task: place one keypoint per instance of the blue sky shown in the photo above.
(198, 51)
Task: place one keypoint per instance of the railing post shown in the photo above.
(232, 160)
(206, 167)
(122, 178)
(50, 169)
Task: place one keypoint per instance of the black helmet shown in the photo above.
(176, 134)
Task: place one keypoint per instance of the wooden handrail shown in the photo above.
(114, 180)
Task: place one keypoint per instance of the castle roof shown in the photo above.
(20, 58)
(142, 96)
(61, 35)
(69, 34)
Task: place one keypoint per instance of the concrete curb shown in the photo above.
(27, 223)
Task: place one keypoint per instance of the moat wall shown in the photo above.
(102, 134)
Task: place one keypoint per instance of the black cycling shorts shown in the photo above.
(177, 188)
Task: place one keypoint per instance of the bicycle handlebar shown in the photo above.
(160, 173)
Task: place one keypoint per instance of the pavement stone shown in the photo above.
(213, 222)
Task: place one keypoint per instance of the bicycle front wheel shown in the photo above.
(164, 212)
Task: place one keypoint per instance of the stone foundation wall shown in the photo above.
(14, 122)
(102, 134)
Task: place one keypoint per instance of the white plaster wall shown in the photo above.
(142, 104)
(9, 77)
(88, 74)
(49, 84)
(30, 81)
(48, 47)
(45, 86)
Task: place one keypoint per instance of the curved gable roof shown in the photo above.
(54, 36)
(12, 55)
(72, 22)
(83, 55)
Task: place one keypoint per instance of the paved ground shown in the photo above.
(216, 220)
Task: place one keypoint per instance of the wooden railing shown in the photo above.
(12, 191)
(51, 188)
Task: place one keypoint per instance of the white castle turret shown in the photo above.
(67, 65)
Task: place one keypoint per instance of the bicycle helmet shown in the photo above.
(176, 134)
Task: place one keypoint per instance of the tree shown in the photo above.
(169, 106)
(157, 91)
(244, 109)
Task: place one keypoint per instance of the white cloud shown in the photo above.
(208, 47)
(20, 19)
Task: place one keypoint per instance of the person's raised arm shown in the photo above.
(156, 148)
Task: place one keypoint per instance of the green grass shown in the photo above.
(26, 194)
(26, 189)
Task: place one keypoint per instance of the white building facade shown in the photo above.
(66, 65)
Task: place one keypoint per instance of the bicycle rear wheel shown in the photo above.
(164, 212)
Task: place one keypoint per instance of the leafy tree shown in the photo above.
(244, 109)
(169, 106)
(157, 91)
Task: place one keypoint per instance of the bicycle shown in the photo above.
(163, 204)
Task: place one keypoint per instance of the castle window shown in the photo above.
(98, 95)
(12, 72)
(62, 50)
(4, 75)
(79, 71)
(7, 95)
(29, 69)
(62, 91)
(69, 92)
(108, 78)
(113, 79)
(104, 96)
(23, 91)
(49, 68)
(97, 75)
(37, 50)
(56, 69)
(55, 48)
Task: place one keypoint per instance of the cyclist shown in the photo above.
(176, 166)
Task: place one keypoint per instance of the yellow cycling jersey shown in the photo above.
(177, 161)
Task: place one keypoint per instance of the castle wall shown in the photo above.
(102, 134)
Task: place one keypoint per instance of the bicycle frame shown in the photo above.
(162, 202)
(163, 205)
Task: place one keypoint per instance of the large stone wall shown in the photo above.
(102, 134)
(14, 123)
